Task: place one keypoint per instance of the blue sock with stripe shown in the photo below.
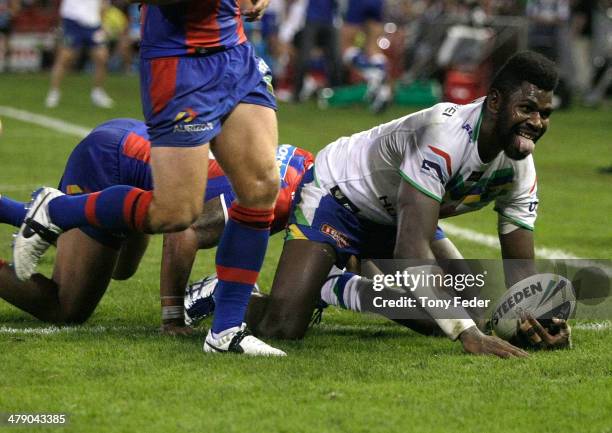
(119, 207)
(12, 212)
(240, 255)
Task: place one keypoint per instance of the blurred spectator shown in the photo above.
(602, 52)
(549, 35)
(81, 28)
(366, 16)
(130, 39)
(8, 9)
(320, 30)
(582, 34)
(547, 17)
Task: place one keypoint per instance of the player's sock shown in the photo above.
(12, 212)
(239, 258)
(119, 207)
(342, 290)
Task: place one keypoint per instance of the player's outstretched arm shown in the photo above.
(178, 254)
(417, 220)
(517, 249)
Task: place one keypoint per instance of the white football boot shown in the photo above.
(100, 98)
(53, 98)
(36, 233)
(239, 340)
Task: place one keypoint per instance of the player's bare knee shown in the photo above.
(262, 191)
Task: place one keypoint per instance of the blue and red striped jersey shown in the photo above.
(190, 27)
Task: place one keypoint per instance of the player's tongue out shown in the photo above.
(523, 143)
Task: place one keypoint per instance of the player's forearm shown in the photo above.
(517, 249)
(178, 254)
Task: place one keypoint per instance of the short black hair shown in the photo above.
(526, 66)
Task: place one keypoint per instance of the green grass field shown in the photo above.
(352, 373)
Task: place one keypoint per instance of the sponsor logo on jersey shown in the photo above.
(194, 127)
(74, 189)
(186, 116)
(431, 167)
(343, 200)
(384, 200)
(469, 129)
(340, 238)
(450, 111)
(284, 153)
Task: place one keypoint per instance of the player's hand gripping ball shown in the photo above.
(541, 297)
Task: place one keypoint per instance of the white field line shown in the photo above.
(99, 329)
(597, 326)
(493, 242)
(17, 188)
(541, 252)
(81, 131)
(45, 121)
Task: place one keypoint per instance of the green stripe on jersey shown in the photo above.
(515, 221)
(419, 187)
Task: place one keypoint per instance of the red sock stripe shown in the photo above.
(128, 204)
(90, 209)
(256, 218)
(3, 263)
(142, 209)
(237, 275)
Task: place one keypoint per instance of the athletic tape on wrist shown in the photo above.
(451, 327)
(172, 312)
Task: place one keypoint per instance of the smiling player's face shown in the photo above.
(523, 119)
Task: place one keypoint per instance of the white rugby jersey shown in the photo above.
(436, 151)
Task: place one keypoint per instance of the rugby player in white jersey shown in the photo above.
(402, 177)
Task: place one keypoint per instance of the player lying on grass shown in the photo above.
(408, 173)
(117, 152)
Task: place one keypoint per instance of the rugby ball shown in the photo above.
(544, 296)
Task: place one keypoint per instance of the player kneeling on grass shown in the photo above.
(117, 152)
(407, 174)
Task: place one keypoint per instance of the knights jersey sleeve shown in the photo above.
(518, 208)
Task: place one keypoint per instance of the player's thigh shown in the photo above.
(179, 177)
(302, 270)
(246, 150)
(83, 269)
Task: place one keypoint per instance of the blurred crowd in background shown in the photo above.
(374, 52)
